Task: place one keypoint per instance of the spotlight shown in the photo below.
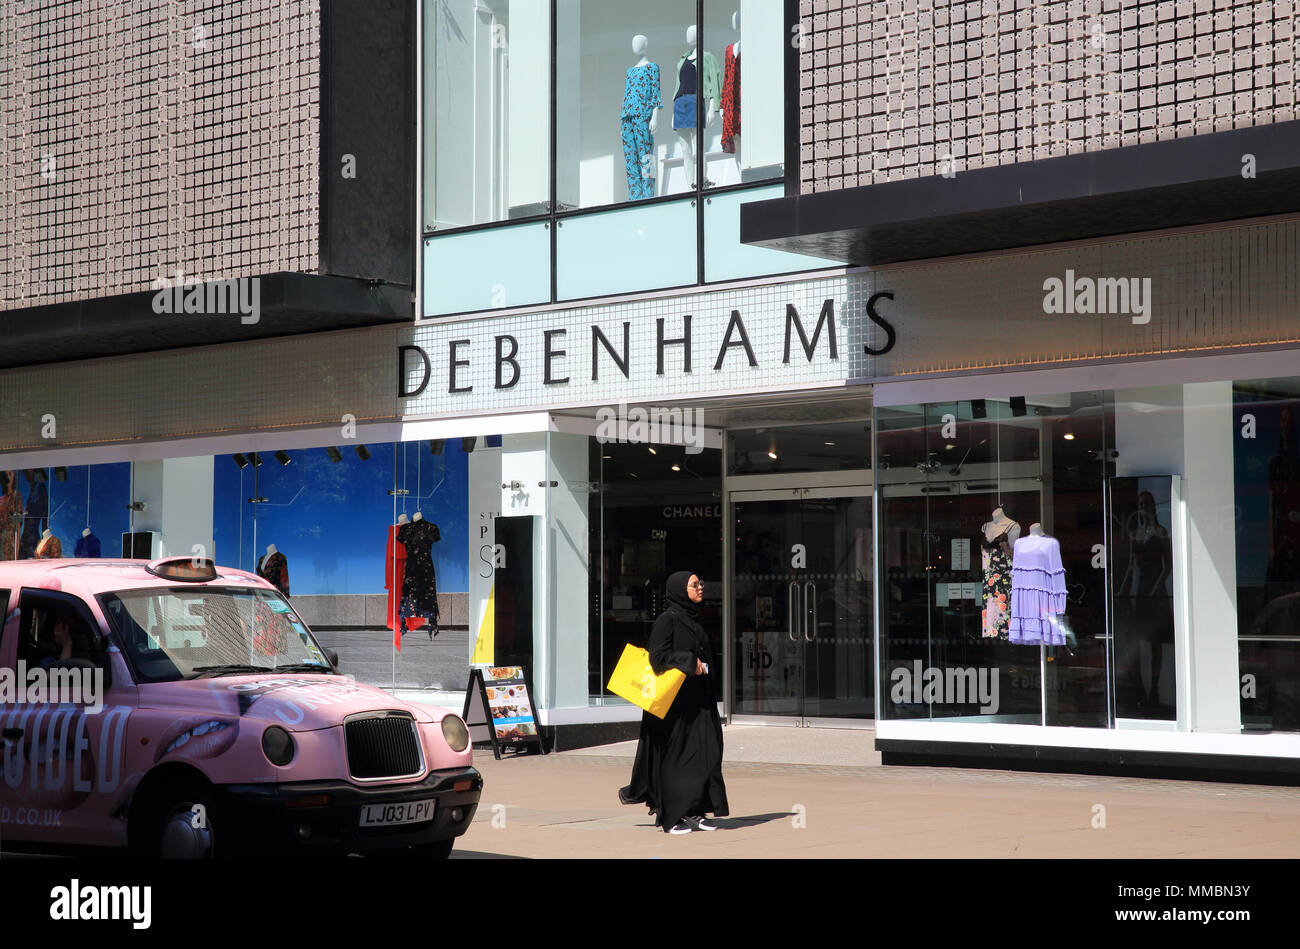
(335, 456)
(677, 467)
(1018, 408)
(1069, 436)
(653, 452)
(363, 452)
(283, 458)
(468, 444)
(772, 455)
(255, 458)
(240, 461)
(60, 474)
(978, 409)
(435, 446)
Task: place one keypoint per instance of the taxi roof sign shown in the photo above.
(186, 569)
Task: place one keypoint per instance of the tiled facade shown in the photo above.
(138, 140)
(896, 89)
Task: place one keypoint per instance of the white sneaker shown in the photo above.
(683, 826)
(703, 823)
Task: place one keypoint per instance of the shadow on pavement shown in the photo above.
(483, 855)
(739, 823)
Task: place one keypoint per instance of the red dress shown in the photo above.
(394, 574)
(730, 99)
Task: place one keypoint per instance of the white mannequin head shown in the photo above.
(735, 21)
(86, 532)
(270, 549)
(45, 533)
(417, 516)
(403, 519)
(640, 45)
(1036, 530)
(691, 34)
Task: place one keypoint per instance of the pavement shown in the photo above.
(823, 793)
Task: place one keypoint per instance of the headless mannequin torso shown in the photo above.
(688, 135)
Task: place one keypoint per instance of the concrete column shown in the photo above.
(1208, 432)
(177, 493)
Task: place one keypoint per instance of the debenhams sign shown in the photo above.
(571, 357)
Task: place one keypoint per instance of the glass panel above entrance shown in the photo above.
(836, 446)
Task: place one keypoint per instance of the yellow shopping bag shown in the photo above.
(635, 680)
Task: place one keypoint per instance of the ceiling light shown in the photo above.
(634, 474)
(772, 455)
(949, 447)
(255, 458)
(335, 456)
(283, 458)
(829, 444)
(362, 452)
(240, 461)
(468, 443)
(1069, 436)
(653, 452)
(677, 467)
(435, 446)
(608, 457)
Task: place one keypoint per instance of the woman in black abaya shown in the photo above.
(678, 768)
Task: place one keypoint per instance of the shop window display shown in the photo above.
(488, 111)
(990, 518)
(63, 511)
(1266, 524)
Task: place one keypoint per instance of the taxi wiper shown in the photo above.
(303, 667)
(226, 670)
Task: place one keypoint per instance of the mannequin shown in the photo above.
(274, 569)
(87, 545)
(1000, 534)
(394, 578)
(49, 546)
(697, 76)
(402, 519)
(419, 584)
(642, 100)
(731, 94)
(1037, 590)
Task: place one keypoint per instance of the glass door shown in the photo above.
(802, 603)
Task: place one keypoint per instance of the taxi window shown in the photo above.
(169, 634)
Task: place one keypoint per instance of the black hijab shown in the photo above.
(679, 596)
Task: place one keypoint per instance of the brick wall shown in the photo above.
(894, 89)
(141, 138)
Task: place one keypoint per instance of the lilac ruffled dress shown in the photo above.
(1037, 591)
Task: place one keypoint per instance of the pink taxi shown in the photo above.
(180, 709)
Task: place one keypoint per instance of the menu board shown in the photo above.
(504, 712)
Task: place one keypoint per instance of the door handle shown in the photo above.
(809, 606)
(790, 612)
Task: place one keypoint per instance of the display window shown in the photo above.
(64, 511)
(487, 111)
(1082, 554)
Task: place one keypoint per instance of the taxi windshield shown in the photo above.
(171, 634)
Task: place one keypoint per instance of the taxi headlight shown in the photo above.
(277, 745)
(454, 730)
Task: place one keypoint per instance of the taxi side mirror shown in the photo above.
(333, 657)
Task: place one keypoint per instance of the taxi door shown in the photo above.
(62, 777)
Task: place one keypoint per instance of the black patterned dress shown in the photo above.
(996, 587)
(420, 585)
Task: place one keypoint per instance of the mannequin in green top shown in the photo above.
(709, 87)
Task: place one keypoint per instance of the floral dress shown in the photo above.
(11, 511)
(996, 588)
(420, 583)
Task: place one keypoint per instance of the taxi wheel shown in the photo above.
(189, 824)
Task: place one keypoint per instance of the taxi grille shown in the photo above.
(382, 747)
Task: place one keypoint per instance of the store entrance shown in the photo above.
(801, 602)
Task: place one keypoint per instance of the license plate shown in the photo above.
(389, 815)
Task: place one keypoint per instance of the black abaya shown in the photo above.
(678, 767)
